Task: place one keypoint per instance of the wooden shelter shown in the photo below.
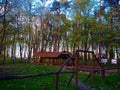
(54, 58)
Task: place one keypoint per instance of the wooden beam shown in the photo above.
(76, 69)
(31, 75)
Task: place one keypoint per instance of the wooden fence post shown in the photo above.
(56, 81)
(76, 68)
(93, 68)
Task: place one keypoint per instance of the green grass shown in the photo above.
(111, 82)
(9, 60)
(34, 83)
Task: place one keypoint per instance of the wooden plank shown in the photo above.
(59, 70)
(56, 81)
(70, 79)
(76, 69)
(93, 68)
(31, 75)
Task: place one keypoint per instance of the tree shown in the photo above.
(6, 18)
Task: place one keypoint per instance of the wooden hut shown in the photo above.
(54, 58)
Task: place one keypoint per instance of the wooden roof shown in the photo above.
(49, 54)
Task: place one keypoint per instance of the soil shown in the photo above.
(4, 69)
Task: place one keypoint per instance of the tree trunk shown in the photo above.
(111, 54)
(85, 54)
(3, 40)
(56, 39)
(42, 28)
(21, 52)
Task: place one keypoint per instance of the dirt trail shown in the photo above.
(4, 69)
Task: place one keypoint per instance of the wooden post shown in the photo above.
(76, 69)
(56, 81)
(70, 79)
(93, 68)
(103, 73)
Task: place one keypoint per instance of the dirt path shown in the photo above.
(4, 69)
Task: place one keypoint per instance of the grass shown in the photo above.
(34, 83)
(9, 60)
(111, 82)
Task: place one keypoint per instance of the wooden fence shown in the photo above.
(59, 71)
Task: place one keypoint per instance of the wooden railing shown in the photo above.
(59, 71)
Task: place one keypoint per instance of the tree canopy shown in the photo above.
(27, 26)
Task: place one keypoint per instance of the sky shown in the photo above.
(46, 2)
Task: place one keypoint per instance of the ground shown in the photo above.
(111, 82)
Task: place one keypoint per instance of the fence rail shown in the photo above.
(59, 71)
(31, 75)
